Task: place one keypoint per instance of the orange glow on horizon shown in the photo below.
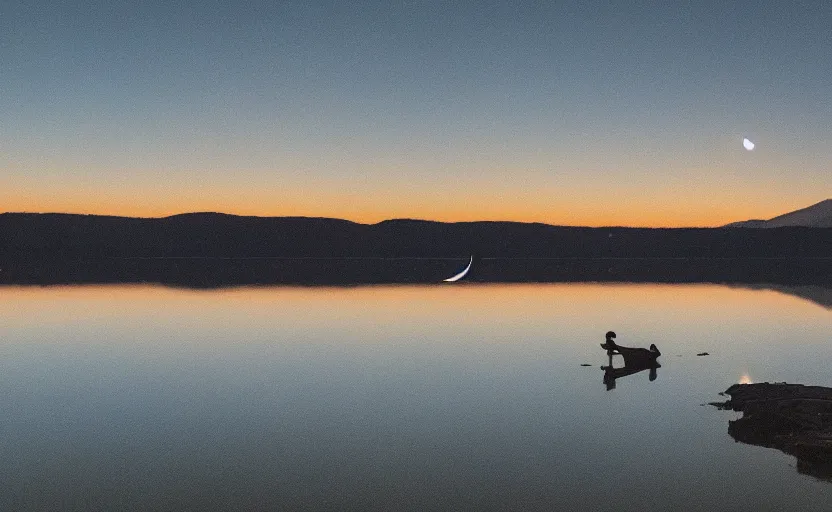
(638, 216)
(576, 206)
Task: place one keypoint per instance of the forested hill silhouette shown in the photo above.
(60, 236)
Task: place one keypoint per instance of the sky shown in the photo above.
(573, 113)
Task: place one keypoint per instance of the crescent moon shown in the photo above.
(747, 144)
(461, 274)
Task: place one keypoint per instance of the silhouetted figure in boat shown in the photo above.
(635, 360)
(630, 355)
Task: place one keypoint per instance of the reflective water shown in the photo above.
(395, 397)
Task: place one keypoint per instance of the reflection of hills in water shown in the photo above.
(792, 418)
(820, 295)
(807, 278)
(209, 249)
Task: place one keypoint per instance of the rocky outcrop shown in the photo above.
(792, 418)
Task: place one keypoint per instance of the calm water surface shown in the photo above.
(388, 398)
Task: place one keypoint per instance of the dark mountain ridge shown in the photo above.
(818, 215)
(59, 236)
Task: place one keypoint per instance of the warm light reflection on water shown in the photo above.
(532, 304)
(382, 397)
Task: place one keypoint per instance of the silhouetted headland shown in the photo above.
(792, 418)
(210, 249)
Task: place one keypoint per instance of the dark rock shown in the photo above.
(792, 418)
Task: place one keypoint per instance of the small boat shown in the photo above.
(632, 356)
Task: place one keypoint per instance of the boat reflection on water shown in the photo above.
(635, 360)
(611, 374)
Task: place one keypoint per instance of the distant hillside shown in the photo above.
(816, 216)
(26, 236)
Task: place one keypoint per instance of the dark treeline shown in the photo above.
(209, 250)
(63, 236)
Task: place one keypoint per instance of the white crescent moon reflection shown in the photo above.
(461, 274)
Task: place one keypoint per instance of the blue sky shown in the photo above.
(561, 112)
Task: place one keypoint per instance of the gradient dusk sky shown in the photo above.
(556, 112)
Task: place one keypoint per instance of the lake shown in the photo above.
(451, 397)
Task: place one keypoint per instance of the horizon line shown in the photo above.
(393, 219)
(714, 217)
